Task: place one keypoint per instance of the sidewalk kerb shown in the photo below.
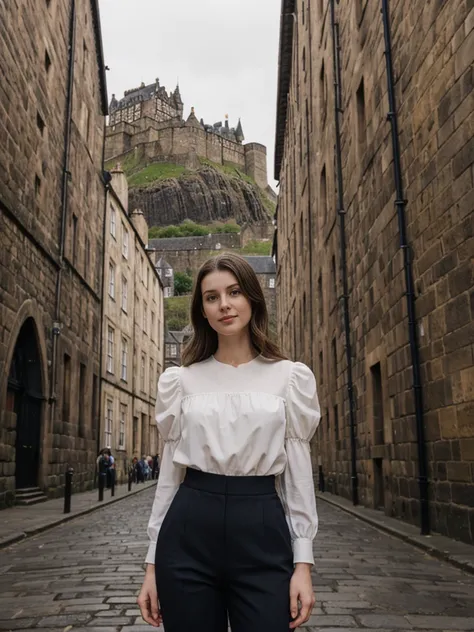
(418, 541)
(28, 533)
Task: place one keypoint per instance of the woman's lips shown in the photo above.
(227, 319)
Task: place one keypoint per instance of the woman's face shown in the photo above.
(226, 308)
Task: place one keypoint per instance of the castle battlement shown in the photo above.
(149, 120)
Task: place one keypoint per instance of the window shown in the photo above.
(109, 412)
(271, 283)
(82, 400)
(123, 421)
(168, 272)
(40, 123)
(87, 260)
(124, 242)
(124, 294)
(173, 351)
(142, 372)
(135, 434)
(111, 280)
(123, 374)
(151, 377)
(323, 194)
(323, 97)
(95, 399)
(334, 279)
(320, 300)
(66, 388)
(74, 238)
(377, 404)
(152, 332)
(113, 222)
(145, 317)
(47, 61)
(334, 361)
(110, 349)
(167, 292)
(361, 120)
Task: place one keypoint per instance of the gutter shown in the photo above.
(342, 230)
(400, 203)
(64, 207)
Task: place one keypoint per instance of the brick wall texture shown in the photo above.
(433, 55)
(34, 58)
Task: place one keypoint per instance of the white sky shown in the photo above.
(224, 52)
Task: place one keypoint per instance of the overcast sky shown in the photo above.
(224, 53)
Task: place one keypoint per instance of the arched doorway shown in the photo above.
(25, 399)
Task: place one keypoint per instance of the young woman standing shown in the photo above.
(234, 517)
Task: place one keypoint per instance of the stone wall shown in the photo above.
(433, 54)
(34, 66)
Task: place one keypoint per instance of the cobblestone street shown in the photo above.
(85, 575)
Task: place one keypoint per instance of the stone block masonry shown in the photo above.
(49, 359)
(433, 55)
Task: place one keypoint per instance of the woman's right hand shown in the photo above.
(148, 599)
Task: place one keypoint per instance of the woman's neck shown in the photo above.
(235, 350)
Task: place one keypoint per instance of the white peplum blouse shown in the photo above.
(252, 420)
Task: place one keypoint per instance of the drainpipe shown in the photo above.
(308, 163)
(409, 284)
(64, 208)
(342, 230)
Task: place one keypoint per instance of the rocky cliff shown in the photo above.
(204, 196)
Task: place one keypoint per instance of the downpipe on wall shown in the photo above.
(64, 207)
(409, 284)
(342, 229)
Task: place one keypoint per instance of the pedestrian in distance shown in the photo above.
(234, 516)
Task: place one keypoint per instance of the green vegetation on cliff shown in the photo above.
(257, 248)
(177, 312)
(156, 171)
(189, 228)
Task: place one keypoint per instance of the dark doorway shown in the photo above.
(25, 400)
(379, 485)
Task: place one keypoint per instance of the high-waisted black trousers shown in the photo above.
(224, 551)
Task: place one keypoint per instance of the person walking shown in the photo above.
(234, 516)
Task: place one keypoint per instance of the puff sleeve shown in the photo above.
(168, 409)
(295, 484)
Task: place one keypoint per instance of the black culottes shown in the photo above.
(224, 553)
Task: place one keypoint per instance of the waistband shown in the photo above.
(230, 485)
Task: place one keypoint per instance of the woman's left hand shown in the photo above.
(301, 589)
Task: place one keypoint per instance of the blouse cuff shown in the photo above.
(150, 556)
(303, 551)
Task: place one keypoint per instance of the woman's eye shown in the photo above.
(235, 292)
(210, 298)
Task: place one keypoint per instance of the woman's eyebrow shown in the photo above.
(227, 288)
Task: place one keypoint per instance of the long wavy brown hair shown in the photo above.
(204, 342)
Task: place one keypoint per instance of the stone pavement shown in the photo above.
(84, 576)
(20, 522)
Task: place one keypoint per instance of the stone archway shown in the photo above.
(25, 399)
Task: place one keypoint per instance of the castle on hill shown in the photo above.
(148, 125)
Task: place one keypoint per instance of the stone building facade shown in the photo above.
(147, 126)
(132, 333)
(52, 195)
(321, 278)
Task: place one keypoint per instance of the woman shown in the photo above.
(236, 419)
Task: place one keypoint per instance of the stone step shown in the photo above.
(30, 496)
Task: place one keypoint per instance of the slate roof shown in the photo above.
(262, 264)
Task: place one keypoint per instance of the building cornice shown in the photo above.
(284, 78)
(100, 56)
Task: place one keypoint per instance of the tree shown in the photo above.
(183, 283)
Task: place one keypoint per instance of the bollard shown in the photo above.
(68, 490)
(112, 482)
(102, 479)
(321, 479)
